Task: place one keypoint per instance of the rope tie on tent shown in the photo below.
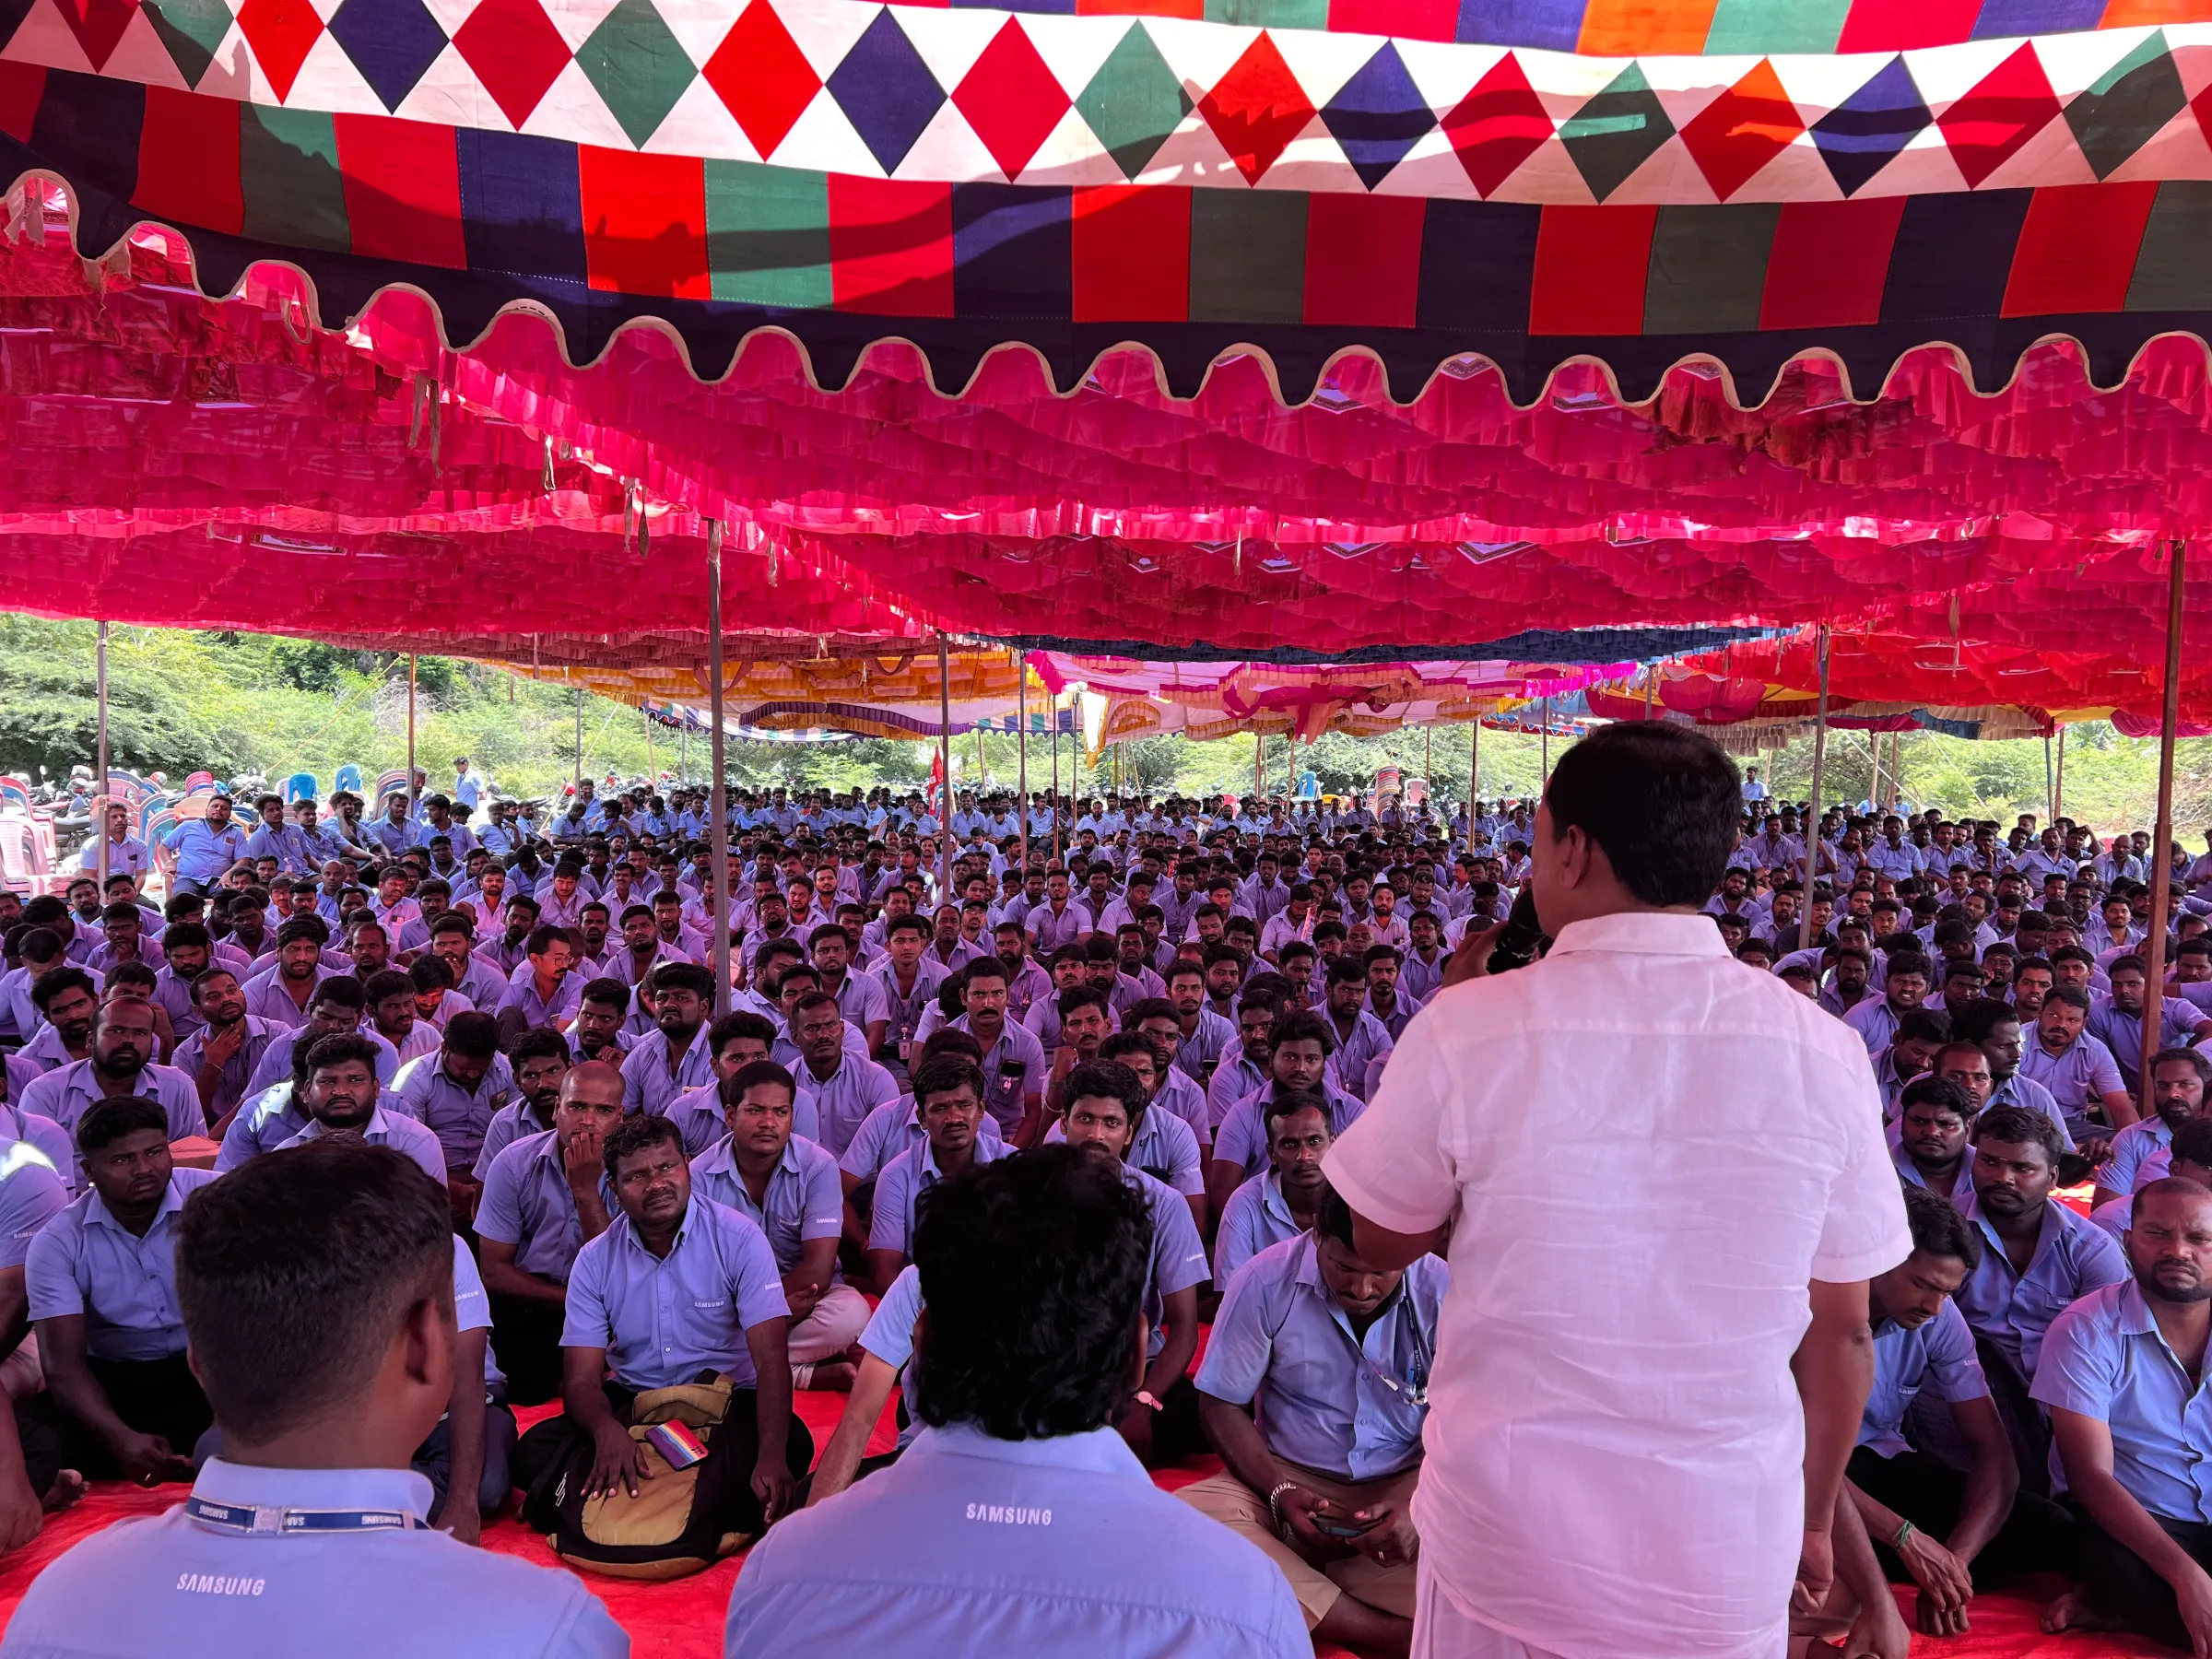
(629, 513)
(549, 480)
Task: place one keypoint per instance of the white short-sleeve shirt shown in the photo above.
(1616, 1446)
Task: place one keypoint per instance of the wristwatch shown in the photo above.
(1145, 1397)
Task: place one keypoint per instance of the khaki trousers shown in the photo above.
(1245, 1512)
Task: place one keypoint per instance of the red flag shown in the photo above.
(936, 784)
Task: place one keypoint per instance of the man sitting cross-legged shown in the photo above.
(788, 1187)
(544, 1198)
(678, 1290)
(2122, 1373)
(1331, 1357)
(102, 1282)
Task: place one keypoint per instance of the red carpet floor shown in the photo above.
(683, 1621)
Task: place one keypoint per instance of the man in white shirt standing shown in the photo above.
(1615, 1452)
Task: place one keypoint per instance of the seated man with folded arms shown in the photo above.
(1035, 1270)
(1162, 1144)
(544, 1198)
(667, 1248)
(2120, 1374)
(949, 1105)
(1951, 1533)
(101, 1278)
(317, 1293)
(1331, 1357)
(1928, 1142)
(2141, 1151)
(341, 1094)
(1282, 1201)
(788, 1186)
(1104, 1103)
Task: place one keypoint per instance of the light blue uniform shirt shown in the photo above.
(527, 1203)
(268, 1001)
(843, 1100)
(264, 1122)
(403, 1135)
(1059, 1549)
(230, 1085)
(891, 1129)
(32, 1194)
(646, 1085)
(203, 854)
(2013, 1310)
(83, 1261)
(1941, 1351)
(890, 1335)
(1178, 1252)
(64, 1096)
(1327, 1399)
(1164, 1148)
(1004, 1093)
(2141, 1153)
(1370, 1041)
(804, 1199)
(275, 1068)
(294, 854)
(457, 1116)
(2105, 1359)
(1241, 1135)
(1256, 1217)
(508, 1124)
(521, 992)
(664, 1320)
(2077, 1077)
(2017, 1090)
(900, 1188)
(169, 1586)
(129, 855)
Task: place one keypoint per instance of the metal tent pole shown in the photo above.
(412, 792)
(1056, 719)
(1022, 752)
(2050, 785)
(652, 771)
(719, 820)
(944, 760)
(1474, 774)
(2162, 846)
(2058, 789)
(1544, 749)
(100, 756)
(1812, 828)
(579, 778)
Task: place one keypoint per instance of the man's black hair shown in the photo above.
(543, 939)
(539, 1043)
(1928, 1089)
(1107, 1080)
(742, 1023)
(1938, 1229)
(44, 990)
(1333, 1220)
(635, 1134)
(752, 1074)
(1301, 1027)
(107, 1122)
(1660, 801)
(384, 983)
(2071, 996)
(684, 976)
(295, 1269)
(1974, 1021)
(473, 1035)
(1289, 1102)
(1033, 1270)
(943, 1073)
(1922, 1024)
(2195, 1059)
(2019, 1126)
(337, 1049)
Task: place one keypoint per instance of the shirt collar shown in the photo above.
(1097, 1450)
(1643, 933)
(254, 1485)
(96, 1211)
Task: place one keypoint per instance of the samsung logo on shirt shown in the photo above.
(1006, 1514)
(208, 1584)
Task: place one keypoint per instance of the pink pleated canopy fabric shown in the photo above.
(166, 457)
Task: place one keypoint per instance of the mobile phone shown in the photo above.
(1337, 1529)
(678, 1445)
(1013, 1071)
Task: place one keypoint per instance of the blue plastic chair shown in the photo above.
(300, 786)
(349, 779)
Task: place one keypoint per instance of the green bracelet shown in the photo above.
(1903, 1532)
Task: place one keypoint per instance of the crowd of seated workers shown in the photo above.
(954, 1094)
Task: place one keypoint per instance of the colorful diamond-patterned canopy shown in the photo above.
(1521, 181)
